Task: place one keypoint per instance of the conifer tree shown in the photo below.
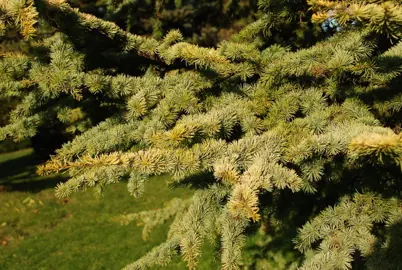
(273, 128)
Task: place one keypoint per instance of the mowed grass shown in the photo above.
(39, 231)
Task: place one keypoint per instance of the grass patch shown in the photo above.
(38, 231)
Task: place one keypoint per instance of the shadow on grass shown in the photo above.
(197, 181)
(18, 173)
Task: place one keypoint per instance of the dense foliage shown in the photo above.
(292, 122)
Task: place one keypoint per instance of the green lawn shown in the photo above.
(38, 231)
